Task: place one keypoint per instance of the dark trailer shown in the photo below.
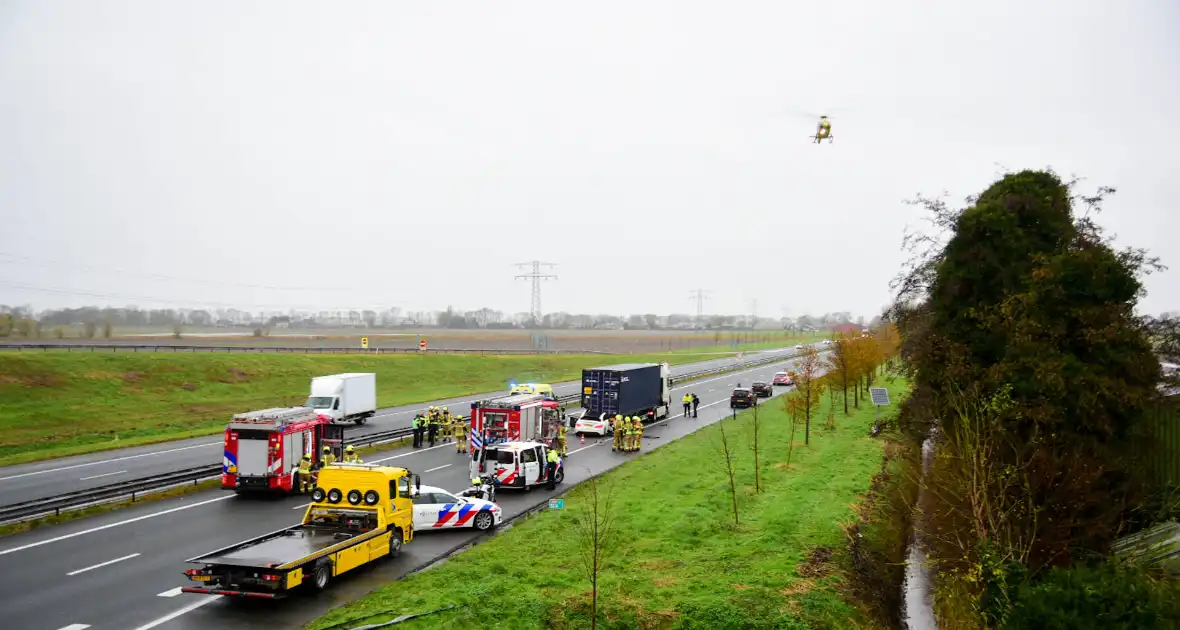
(629, 389)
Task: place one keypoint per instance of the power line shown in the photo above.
(700, 295)
(536, 276)
(26, 260)
(200, 303)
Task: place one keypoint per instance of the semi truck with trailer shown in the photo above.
(359, 514)
(345, 397)
(630, 389)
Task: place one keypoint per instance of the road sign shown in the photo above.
(880, 396)
(364, 342)
(556, 504)
(422, 344)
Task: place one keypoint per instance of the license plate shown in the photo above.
(201, 578)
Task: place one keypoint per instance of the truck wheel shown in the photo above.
(359, 421)
(321, 576)
(395, 543)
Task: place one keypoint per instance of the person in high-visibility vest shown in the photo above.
(350, 456)
(305, 481)
(447, 425)
(687, 401)
(328, 458)
(460, 435)
(618, 432)
(561, 441)
(638, 432)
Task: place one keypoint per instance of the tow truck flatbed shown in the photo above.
(276, 549)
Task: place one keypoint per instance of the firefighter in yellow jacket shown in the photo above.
(616, 427)
(629, 424)
(460, 429)
(305, 480)
(447, 426)
(562, 443)
(638, 420)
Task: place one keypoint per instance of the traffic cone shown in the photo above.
(582, 438)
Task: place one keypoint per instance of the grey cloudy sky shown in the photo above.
(398, 153)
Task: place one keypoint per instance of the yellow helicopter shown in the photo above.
(823, 130)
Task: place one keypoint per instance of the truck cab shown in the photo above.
(359, 513)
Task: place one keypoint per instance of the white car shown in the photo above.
(593, 426)
(827, 342)
(436, 508)
(799, 346)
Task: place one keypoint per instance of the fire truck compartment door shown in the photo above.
(293, 451)
(252, 457)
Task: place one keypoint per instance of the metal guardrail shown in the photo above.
(79, 499)
(132, 488)
(82, 347)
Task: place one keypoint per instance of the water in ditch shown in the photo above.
(918, 591)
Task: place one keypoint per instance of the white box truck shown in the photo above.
(344, 397)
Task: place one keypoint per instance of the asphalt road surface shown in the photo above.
(123, 570)
(58, 476)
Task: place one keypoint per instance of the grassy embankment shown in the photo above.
(57, 404)
(677, 559)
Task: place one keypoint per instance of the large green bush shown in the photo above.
(1102, 597)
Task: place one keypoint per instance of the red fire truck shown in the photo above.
(263, 448)
(516, 418)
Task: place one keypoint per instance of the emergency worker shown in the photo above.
(628, 434)
(305, 482)
(460, 436)
(638, 432)
(551, 467)
(350, 456)
(687, 401)
(562, 444)
(616, 426)
(328, 458)
(696, 402)
(432, 427)
(417, 426)
(447, 425)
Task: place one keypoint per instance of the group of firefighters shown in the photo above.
(307, 479)
(438, 423)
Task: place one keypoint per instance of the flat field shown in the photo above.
(54, 404)
(676, 558)
(609, 341)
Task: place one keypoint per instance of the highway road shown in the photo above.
(123, 570)
(57, 476)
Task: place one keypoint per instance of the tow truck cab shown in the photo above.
(359, 513)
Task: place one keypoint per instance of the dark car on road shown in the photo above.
(762, 389)
(742, 397)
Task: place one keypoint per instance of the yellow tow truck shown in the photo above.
(359, 513)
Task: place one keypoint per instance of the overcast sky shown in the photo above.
(375, 154)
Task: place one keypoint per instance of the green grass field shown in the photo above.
(677, 559)
(57, 404)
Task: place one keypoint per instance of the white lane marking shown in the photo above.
(76, 626)
(300, 507)
(102, 475)
(583, 448)
(103, 564)
(108, 461)
(436, 468)
(172, 592)
(420, 450)
(4, 552)
(187, 609)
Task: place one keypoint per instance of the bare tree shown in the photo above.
(177, 331)
(107, 329)
(757, 464)
(728, 454)
(89, 329)
(792, 407)
(595, 530)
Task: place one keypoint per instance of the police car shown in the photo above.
(595, 426)
(435, 508)
(521, 464)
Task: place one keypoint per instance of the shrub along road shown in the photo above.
(42, 574)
